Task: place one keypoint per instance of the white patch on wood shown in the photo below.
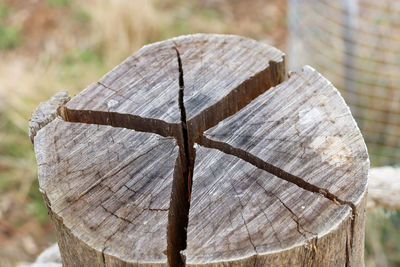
(332, 149)
(112, 103)
(307, 117)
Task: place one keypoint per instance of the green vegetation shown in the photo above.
(4, 10)
(7, 183)
(382, 240)
(10, 35)
(36, 205)
(10, 143)
(58, 2)
(84, 56)
(89, 51)
(210, 14)
(81, 15)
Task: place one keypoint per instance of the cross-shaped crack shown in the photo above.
(190, 131)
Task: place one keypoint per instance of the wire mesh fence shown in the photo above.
(356, 45)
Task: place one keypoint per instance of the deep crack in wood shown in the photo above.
(249, 142)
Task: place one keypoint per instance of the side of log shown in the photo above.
(381, 181)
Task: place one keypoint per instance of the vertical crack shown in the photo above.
(103, 258)
(185, 134)
(348, 249)
(178, 216)
(272, 169)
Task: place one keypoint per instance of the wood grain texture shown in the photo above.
(109, 188)
(303, 127)
(312, 138)
(217, 68)
(274, 176)
(46, 112)
(240, 212)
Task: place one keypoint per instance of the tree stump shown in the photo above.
(195, 151)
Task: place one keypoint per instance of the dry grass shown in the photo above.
(68, 44)
(120, 27)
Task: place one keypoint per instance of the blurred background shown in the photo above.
(51, 45)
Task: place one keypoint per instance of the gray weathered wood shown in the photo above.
(304, 127)
(222, 73)
(273, 177)
(107, 189)
(240, 212)
(46, 112)
(303, 132)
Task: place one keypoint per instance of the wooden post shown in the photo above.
(195, 151)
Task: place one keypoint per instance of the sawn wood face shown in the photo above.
(266, 171)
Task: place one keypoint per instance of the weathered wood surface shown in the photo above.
(281, 182)
(311, 135)
(107, 188)
(221, 76)
(381, 180)
(302, 132)
(46, 112)
(240, 212)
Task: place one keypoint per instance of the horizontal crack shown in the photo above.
(155, 209)
(180, 196)
(278, 172)
(105, 86)
(122, 120)
(115, 215)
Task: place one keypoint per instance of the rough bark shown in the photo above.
(182, 156)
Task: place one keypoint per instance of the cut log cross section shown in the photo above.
(195, 151)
